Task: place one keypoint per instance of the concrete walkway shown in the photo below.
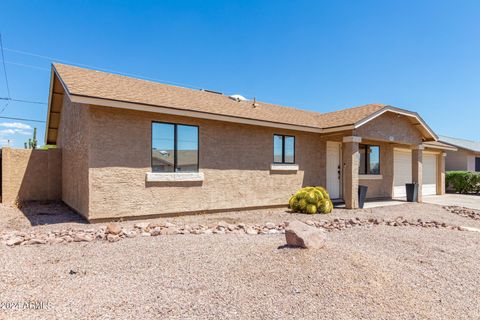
(451, 199)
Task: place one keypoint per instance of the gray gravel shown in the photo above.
(364, 273)
(377, 272)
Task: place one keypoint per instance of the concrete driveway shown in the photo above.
(452, 199)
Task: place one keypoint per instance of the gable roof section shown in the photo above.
(461, 143)
(112, 90)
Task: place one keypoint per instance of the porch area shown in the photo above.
(384, 154)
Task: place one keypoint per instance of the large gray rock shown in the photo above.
(299, 234)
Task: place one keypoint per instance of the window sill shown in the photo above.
(174, 176)
(284, 167)
(370, 176)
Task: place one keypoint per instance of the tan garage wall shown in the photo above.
(234, 158)
(29, 175)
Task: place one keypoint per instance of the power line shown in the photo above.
(26, 65)
(4, 69)
(22, 119)
(20, 100)
(5, 73)
(101, 69)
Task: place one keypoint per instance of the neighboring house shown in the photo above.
(137, 148)
(466, 158)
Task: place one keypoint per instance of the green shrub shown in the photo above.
(311, 200)
(463, 181)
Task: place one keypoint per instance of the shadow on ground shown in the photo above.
(44, 213)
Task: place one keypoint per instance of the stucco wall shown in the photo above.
(471, 162)
(456, 160)
(31, 175)
(390, 127)
(381, 188)
(73, 140)
(234, 158)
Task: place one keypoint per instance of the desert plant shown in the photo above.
(463, 181)
(311, 200)
(32, 142)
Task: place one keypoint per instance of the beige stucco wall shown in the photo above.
(234, 158)
(457, 160)
(73, 140)
(29, 175)
(390, 127)
(381, 188)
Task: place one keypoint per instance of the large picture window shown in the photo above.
(174, 147)
(283, 149)
(369, 159)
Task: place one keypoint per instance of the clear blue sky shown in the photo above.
(318, 55)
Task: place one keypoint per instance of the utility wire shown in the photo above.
(4, 69)
(22, 119)
(100, 69)
(5, 73)
(21, 100)
(26, 65)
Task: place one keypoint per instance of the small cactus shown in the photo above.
(311, 200)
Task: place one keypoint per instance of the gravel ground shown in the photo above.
(378, 272)
(58, 216)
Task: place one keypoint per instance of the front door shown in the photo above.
(333, 168)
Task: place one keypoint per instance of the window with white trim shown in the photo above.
(174, 147)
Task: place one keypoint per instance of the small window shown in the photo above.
(174, 147)
(283, 149)
(477, 164)
(369, 159)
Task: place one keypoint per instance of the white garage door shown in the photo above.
(429, 174)
(402, 164)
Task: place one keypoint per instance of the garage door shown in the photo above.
(402, 164)
(429, 174)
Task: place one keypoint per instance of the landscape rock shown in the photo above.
(112, 237)
(141, 225)
(299, 234)
(155, 231)
(168, 231)
(113, 228)
(270, 225)
(14, 241)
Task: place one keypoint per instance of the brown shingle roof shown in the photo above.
(97, 84)
(348, 116)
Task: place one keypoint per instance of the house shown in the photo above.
(466, 158)
(131, 147)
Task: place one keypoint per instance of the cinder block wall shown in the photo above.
(29, 175)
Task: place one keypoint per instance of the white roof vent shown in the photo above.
(238, 97)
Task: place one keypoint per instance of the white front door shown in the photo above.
(333, 168)
(402, 168)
